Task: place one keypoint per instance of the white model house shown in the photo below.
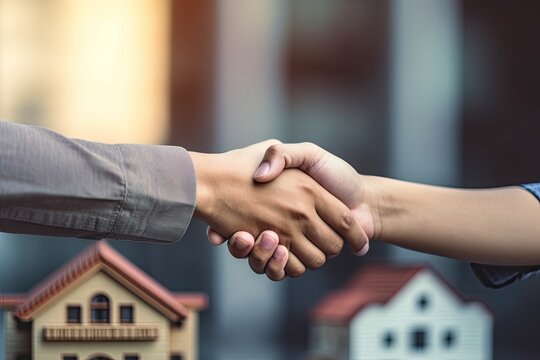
(390, 312)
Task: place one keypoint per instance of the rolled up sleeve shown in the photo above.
(55, 186)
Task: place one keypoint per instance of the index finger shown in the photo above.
(340, 218)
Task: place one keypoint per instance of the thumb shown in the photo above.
(283, 156)
(214, 237)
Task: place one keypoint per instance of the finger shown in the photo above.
(241, 244)
(264, 247)
(340, 218)
(214, 237)
(324, 237)
(282, 156)
(275, 270)
(310, 255)
(294, 267)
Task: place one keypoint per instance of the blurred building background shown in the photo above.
(442, 92)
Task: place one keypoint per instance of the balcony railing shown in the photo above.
(100, 333)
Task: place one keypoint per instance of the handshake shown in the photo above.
(286, 207)
(289, 207)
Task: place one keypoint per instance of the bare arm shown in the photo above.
(495, 226)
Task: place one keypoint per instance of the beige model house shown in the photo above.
(100, 306)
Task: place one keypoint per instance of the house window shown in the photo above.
(177, 357)
(74, 314)
(388, 339)
(126, 314)
(100, 309)
(419, 339)
(131, 357)
(69, 357)
(423, 302)
(449, 338)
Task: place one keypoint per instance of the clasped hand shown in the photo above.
(297, 222)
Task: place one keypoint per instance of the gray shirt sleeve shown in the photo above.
(52, 185)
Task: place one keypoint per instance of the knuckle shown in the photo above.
(256, 270)
(335, 249)
(275, 275)
(256, 266)
(235, 253)
(296, 271)
(299, 213)
(347, 221)
(272, 277)
(314, 149)
(309, 144)
(307, 187)
(275, 141)
(316, 261)
(258, 257)
(274, 150)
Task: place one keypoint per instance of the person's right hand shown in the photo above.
(310, 221)
(333, 173)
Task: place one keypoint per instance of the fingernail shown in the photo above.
(364, 250)
(262, 170)
(241, 243)
(214, 238)
(268, 242)
(279, 254)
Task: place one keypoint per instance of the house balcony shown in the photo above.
(100, 333)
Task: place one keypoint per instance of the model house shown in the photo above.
(391, 312)
(100, 306)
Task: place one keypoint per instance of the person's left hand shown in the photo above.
(243, 245)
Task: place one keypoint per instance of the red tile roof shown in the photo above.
(373, 284)
(101, 256)
(11, 301)
(195, 301)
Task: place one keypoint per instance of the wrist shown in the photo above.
(374, 195)
(204, 168)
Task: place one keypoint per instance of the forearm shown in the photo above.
(496, 226)
(51, 185)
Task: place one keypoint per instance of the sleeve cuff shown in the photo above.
(534, 189)
(496, 277)
(159, 195)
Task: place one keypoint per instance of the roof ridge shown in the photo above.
(374, 283)
(54, 281)
(97, 253)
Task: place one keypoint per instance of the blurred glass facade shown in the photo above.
(442, 92)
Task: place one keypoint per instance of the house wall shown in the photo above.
(471, 325)
(184, 338)
(55, 314)
(329, 341)
(17, 341)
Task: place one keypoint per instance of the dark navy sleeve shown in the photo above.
(534, 189)
(496, 277)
